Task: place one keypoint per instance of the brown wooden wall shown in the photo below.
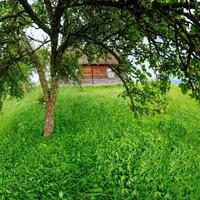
(96, 72)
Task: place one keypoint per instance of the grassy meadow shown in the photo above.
(99, 150)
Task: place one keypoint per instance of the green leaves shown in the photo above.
(69, 68)
(61, 194)
(184, 88)
(14, 70)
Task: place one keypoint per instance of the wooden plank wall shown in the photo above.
(95, 72)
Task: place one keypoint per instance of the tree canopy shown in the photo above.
(148, 38)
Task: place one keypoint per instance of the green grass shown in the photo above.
(99, 150)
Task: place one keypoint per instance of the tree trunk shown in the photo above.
(49, 116)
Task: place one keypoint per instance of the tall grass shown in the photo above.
(99, 150)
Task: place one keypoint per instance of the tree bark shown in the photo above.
(49, 118)
(49, 115)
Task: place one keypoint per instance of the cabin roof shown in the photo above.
(110, 60)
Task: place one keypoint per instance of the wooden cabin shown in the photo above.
(99, 71)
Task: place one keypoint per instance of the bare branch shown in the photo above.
(33, 16)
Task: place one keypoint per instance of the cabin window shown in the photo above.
(110, 73)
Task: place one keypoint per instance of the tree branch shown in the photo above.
(33, 16)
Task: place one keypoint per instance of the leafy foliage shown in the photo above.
(147, 98)
(14, 68)
(70, 68)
